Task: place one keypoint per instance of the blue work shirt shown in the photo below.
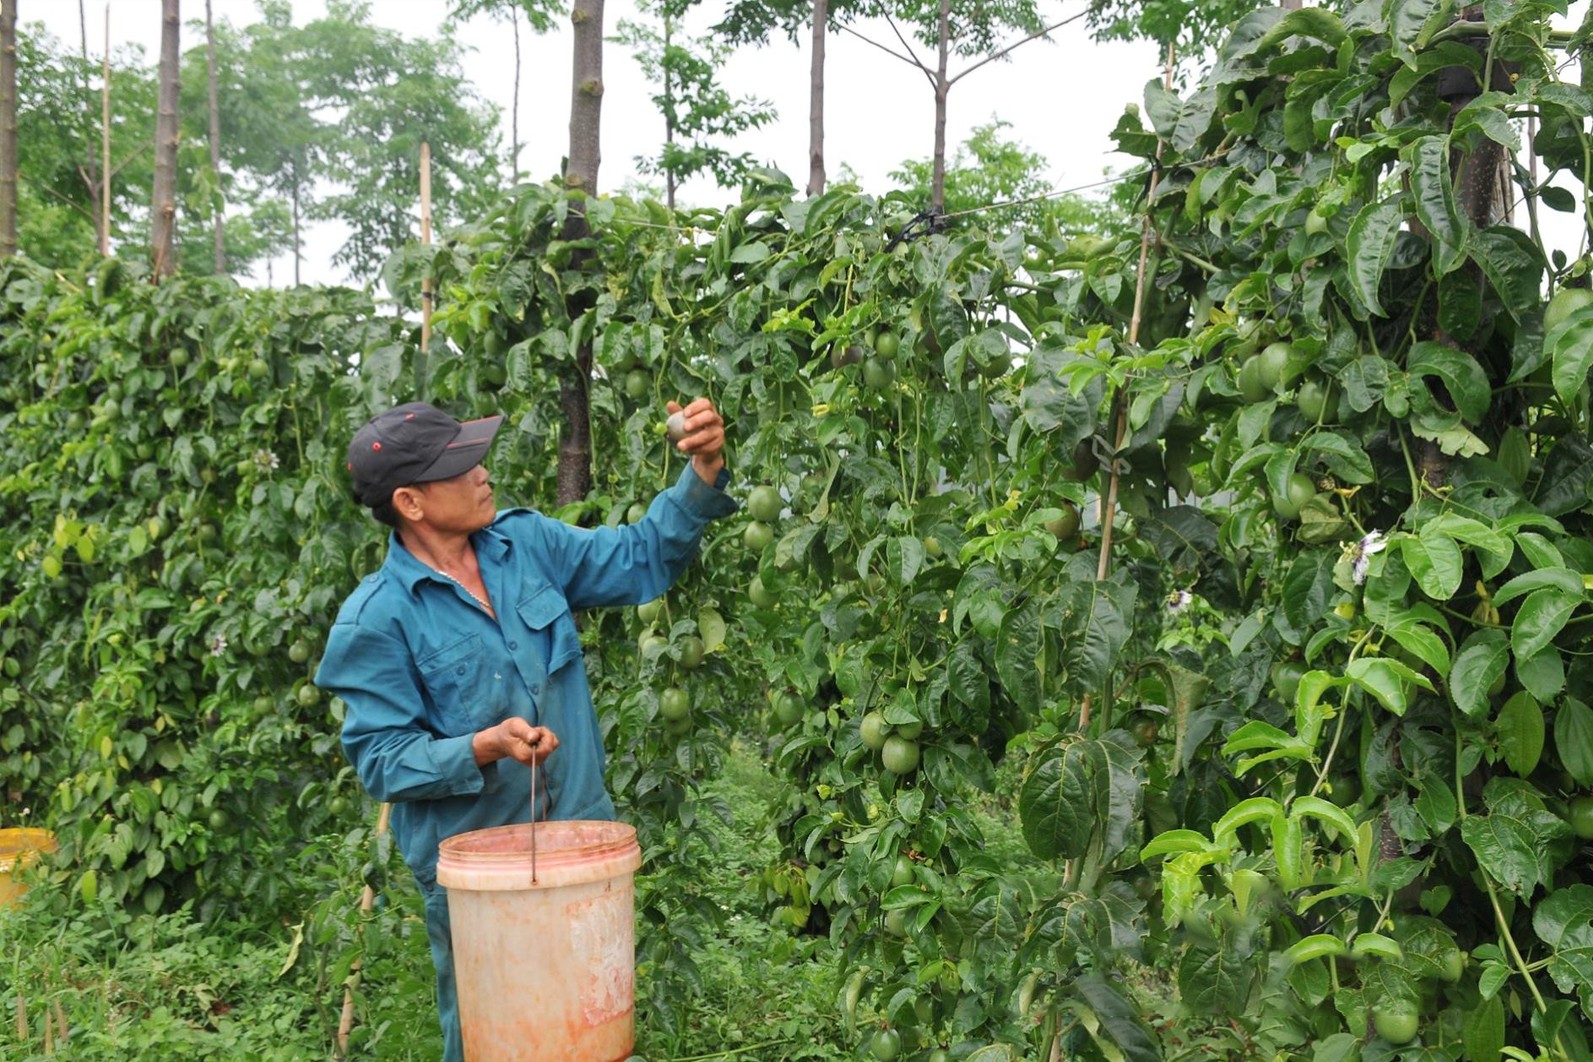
(422, 666)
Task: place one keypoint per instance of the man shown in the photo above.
(459, 659)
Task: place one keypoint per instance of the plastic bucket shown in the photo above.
(545, 969)
(19, 849)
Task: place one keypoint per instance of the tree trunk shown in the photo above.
(88, 170)
(217, 199)
(937, 193)
(821, 18)
(514, 106)
(8, 128)
(669, 117)
(298, 249)
(105, 141)
(580, 175)
(164, 208)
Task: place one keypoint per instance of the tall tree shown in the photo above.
(966, 29)
(164, 209)
(580, 175)
(755, 21)
(379, 95)
(214, 109)
(8, 127)
(59, 175)
(698, 112)
(816, 174)
(541, 15)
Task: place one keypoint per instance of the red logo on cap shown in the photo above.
(376, 446)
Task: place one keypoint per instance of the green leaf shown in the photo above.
(1242, 813)
(1509, 849)
(1423, 642)
(1564, 921)
(1483, 1029)
(1573, 739)
(1434, 190)
(1257, 734)
(1118, 794)
(1216, 979)
(1542, 675)
(1479, 664)
(749, 253)
(1117, 1021)
(1497, 546)
(1567, 476)
(1056, 805)
(1018, 653)
(1097, 627)
(1407, 26)
(1485, 114)
(1332, 814)
(1435, 561)
(1542, 616)
(904, 556)
(1371, 245)
(1174, 842)
(1564, 579)
(1390, 681)
(1348, 461)
(1316, 22)
(1520, 729)
(1376, 944)
(1365, 382)
(1307, 588)
(1514, 266)
(1462, 376)
(1436, 805)
(1569, 346)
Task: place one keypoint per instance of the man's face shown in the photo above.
(462, 504)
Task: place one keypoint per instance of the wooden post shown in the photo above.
(345, 1023)
(8, 127)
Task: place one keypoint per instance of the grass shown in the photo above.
(738, 985)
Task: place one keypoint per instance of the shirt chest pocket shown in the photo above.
(454, 676)
(548, 615)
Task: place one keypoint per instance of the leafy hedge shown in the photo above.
(1295, 725)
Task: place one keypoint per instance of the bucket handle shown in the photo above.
(533, 820)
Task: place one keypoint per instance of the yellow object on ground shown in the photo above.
(19, 848)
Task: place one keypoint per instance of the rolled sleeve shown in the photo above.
(636, 563)
(396, 756)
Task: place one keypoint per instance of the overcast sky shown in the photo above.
(1061, 98)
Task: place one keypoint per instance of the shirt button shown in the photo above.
(514, 645)
(537, 688)
(461, 670)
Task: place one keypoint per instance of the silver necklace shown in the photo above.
(485, 607)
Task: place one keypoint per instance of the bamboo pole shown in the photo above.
(345, 1022)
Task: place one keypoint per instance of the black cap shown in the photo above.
(414, 443)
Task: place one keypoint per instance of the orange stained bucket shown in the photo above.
(545, 969)
(20, 848)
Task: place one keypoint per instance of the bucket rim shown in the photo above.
(509, 845)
